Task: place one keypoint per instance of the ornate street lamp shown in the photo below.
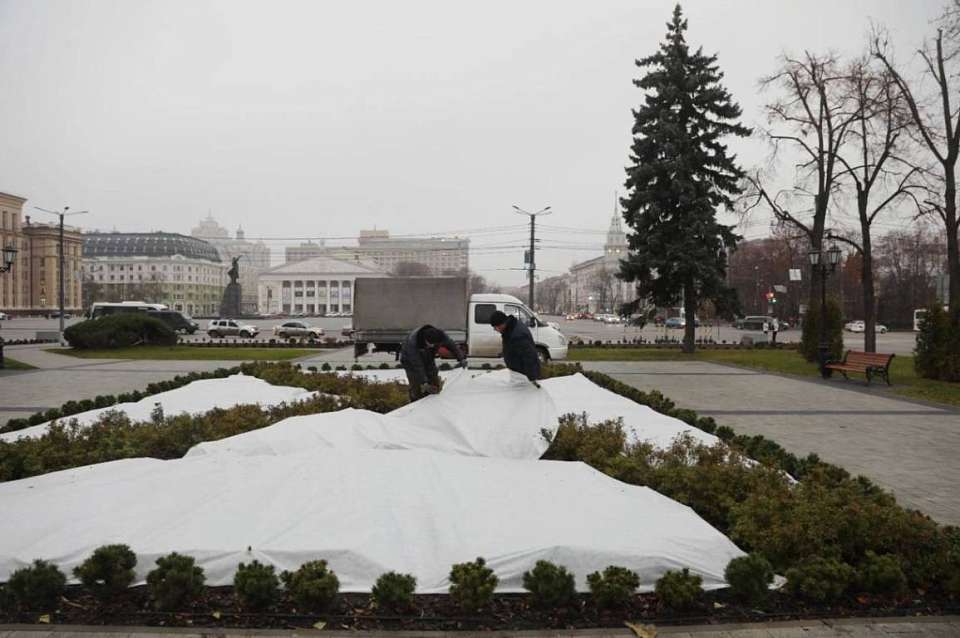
(825, 263)
(9, 256)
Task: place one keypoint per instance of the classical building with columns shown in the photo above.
(318, 286)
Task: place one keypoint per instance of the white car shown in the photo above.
(297, 329)
(860, 326)
(4, 316)
(231, 328)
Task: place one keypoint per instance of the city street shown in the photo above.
(899, 343)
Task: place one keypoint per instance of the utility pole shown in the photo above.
(533, 261)
(60, 256)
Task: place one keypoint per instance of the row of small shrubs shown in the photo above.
(120, 331)
(177, 582)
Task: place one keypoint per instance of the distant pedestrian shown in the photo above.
(774, 329)
(519, 351)
(418, 358)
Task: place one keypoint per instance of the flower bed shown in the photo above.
(844, 544)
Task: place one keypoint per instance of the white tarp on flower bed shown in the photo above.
(499, 414)
(330, 487)
(194, 398)
(577, 394)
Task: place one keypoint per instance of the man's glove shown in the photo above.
(427, 388)
(463, 363)
(535, 384)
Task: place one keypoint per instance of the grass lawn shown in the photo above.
(189, 353)
(13, 364)
(906, 383)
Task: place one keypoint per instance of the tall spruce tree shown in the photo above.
(680, 174)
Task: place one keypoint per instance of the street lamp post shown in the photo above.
(9, 256)
(532, 267)
(825, 263)
(60, 254)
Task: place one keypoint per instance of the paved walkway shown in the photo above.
(907, 447)
(934, 627)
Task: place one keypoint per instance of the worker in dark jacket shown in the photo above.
(519, 353)
(417, 357)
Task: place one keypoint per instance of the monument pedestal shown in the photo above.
(230, 305)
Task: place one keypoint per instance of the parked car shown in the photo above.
(347, 330)
(177, 321)
(680, 322)
(297, 329)
(861, 326)
(231, 328)
(4, 316)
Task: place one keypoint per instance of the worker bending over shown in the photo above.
(417, 356)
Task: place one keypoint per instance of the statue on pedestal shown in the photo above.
(230, 305)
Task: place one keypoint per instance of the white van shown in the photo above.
(484, 341)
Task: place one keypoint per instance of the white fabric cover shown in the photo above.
(498, 414)
(441, 481)
(194, 398)
(364, 511)
(577, 394)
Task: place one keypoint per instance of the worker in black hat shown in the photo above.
(519, 353)
(418, 354)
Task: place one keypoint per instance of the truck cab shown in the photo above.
(484, 341)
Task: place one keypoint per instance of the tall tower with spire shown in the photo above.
(616, 245)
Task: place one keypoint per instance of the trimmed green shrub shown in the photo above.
(384, 366)
(679, 590)
(614, 587)
(937, 351)
(37, 587)
(810, 340)
(119, 331)
(819, 579)
(472, 585)
(176, 582)
(550, 585)
(881, 574)
(313, 587)
(749, 578)
(256, 585)
(326, 367)
(109, 569)
(394, 591)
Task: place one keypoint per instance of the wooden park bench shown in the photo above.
(870, 364)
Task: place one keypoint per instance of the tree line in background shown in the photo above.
(863, 154)
(907, 269)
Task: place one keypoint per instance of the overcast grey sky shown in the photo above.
(298, 119)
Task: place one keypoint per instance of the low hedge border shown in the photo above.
(272, 343)
(641, 344)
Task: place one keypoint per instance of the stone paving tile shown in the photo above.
(904, 446)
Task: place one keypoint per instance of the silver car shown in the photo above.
(231, 327)
(297, 330)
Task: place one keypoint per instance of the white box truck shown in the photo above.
(386, 310)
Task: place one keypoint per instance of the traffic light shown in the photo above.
(771, 297)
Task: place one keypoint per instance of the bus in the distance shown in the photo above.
(101, 309)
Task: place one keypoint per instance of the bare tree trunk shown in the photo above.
(689, 314)
(953, 225)
(869, 296)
